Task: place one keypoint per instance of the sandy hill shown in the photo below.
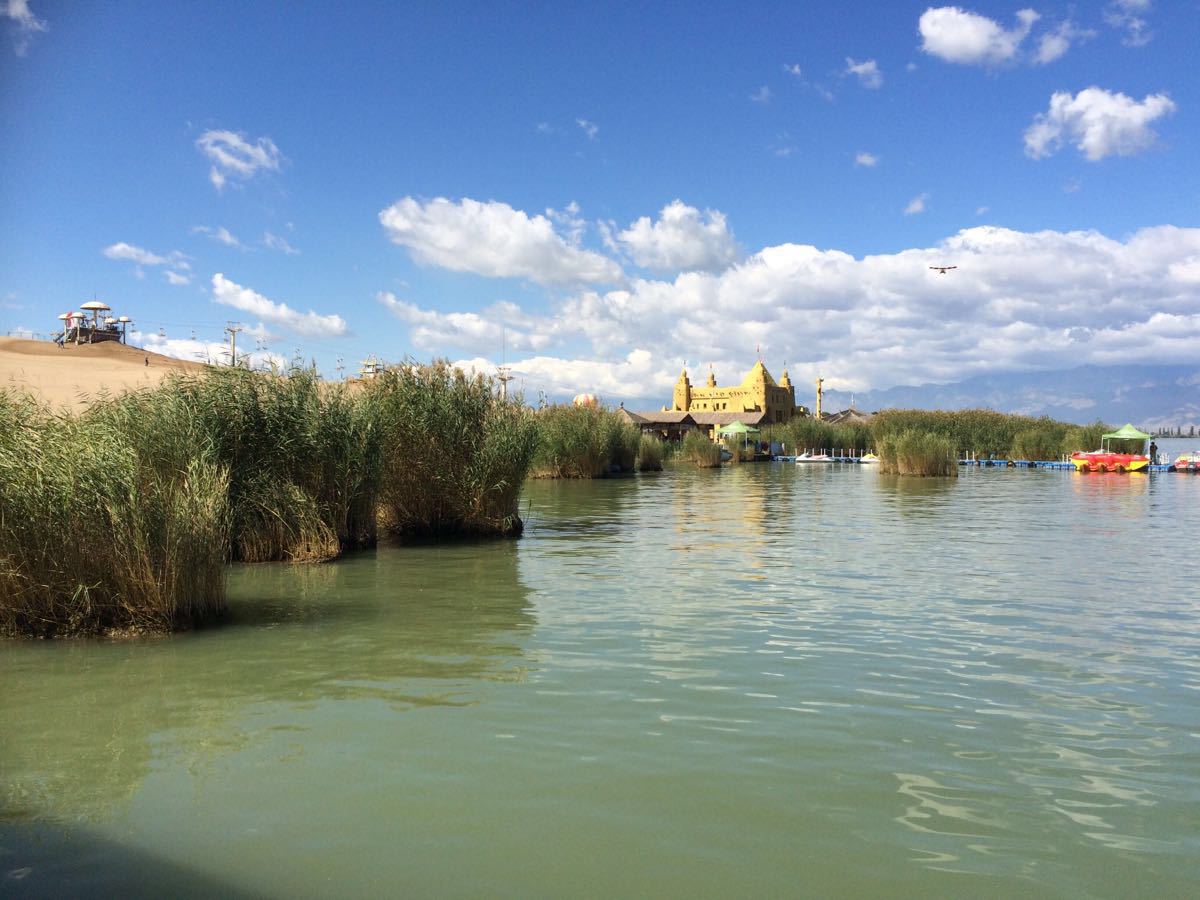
(67, 376)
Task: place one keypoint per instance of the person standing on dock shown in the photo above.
(1153, 453)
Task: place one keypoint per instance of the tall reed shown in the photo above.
(914, 452)
(584, 442)
(302, 455)
(101, 530)
(700, 451)
(453, 454)
(650, 454)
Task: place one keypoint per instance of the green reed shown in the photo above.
(101, 530)
(584, 442)
(453, 454)
(700, 451)
(650, 454)
(914, 452)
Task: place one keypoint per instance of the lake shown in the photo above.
(765, 680)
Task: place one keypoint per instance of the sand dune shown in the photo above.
(66, 377)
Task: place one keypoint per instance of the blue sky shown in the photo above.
(612, 191)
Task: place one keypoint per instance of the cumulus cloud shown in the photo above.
(869, 160)
(503, 324)
(310, 324)
(1017, 301)
(955, 35)
(175, 263)
(214, 352)
(492, 239)
(233, 155)
(24, 24)
(1098, 122)
(683, 238)
(636, 374)
(867, 72)
(916, 205)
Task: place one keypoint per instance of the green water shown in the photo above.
(760, 681)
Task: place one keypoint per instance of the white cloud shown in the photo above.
(868, 72)
(636, 374)
(958, 36)
(221, 235)
(492, 239)
(869, 160)
(916, 205)
(591, 129)
(1018, 301)
(682, 239)
(501, 325)
(1054, 44)
(793, 69)
(1098, 122)
(25, 24)
(275, 242)
(310, 323)
(175, 263)
(135, 254)
(214, 352)
(981, 210)
(234, 156)
(762, 96)
(1124, 15)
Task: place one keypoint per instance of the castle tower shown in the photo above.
(786, 383)
(682, 399)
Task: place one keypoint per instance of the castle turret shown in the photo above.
(682, 399)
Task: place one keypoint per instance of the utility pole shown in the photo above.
(232, 329)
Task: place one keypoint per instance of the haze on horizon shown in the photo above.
(604, 195)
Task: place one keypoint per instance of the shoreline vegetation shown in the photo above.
(122, 518)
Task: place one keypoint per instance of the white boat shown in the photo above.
(806, 457)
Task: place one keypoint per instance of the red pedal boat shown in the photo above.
(1106, 460)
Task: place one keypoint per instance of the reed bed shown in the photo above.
(914, 452)
(804, 433)
(700, 451)
(453, 455)
(302, 455)
(650, 454)
(103, 532)
(584, 442)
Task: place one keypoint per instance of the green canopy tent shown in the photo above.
(1124, 433)
(738, 430)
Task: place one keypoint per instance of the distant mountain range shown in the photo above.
(1150, 397)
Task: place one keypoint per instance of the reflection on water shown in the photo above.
(765, 680)
(410, 627)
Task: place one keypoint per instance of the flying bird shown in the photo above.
(942, 270)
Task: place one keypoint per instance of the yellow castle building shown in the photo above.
(758, 393)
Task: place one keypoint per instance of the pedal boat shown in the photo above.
(1107, 461)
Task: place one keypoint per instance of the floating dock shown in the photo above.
(989, 463)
